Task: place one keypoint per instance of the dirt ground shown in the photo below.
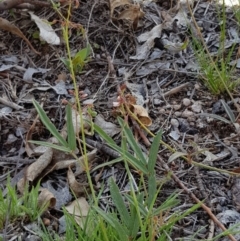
(168, 85)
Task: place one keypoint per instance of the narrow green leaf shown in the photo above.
(171, 202)
(106, 216)
(176, 155)
(130, 158)
(134, 222)
(152, 190)
(104, 135)
(49, 125)
(180, 217)
(83, 53)
(114, 222)
(119, 203)
(70, 129)
(153, 152)
(133, 143)
(228, 111)
(66, 62)
(119, 159)
(141, 207)
(47, 144)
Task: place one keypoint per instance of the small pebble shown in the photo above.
(197, 86)
(186, 102)
(162, 111)
(196, 107)
(176, 107)
(178, 113)
(191, 118)
(187, 113)
(174, 123)
(157, 101)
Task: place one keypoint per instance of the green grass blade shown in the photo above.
(141, 207)
(133, 143)
(70, 129)
(114, 222)
(228, 111)
(104, 135)
(130, 158)
(119, 159)
(153, 152)
(171, 202)
(49, 125)
(134, 222)
(119, 203)
(47, 144)
(179, 217)
(152, 190)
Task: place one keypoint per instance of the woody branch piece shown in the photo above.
(9, 4)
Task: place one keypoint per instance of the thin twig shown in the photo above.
(207, 209)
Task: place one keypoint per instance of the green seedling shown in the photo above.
(79, 60)
(216, 71)
(13, 206)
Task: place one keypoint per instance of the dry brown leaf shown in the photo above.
(58, 164)
(117, 3)
(21, 185)
(7, 26)
(77, 188)
(79, 208)
(76, 119)
(110, 128)
(142, 114)
(36, 168)
(46, 198)
(132, 12)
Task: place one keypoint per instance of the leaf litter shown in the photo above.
(157, 72)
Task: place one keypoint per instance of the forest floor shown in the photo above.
(169, 84)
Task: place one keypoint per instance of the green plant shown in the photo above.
(79, 60)
(136, 216)
(12, 206)
(216, 72)
(66, 146)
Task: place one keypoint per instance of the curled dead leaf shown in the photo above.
(46, 198)
(35, 169)
(76, 187)
(142, 114)
(130, 12)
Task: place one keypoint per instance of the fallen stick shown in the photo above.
(207, 209)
